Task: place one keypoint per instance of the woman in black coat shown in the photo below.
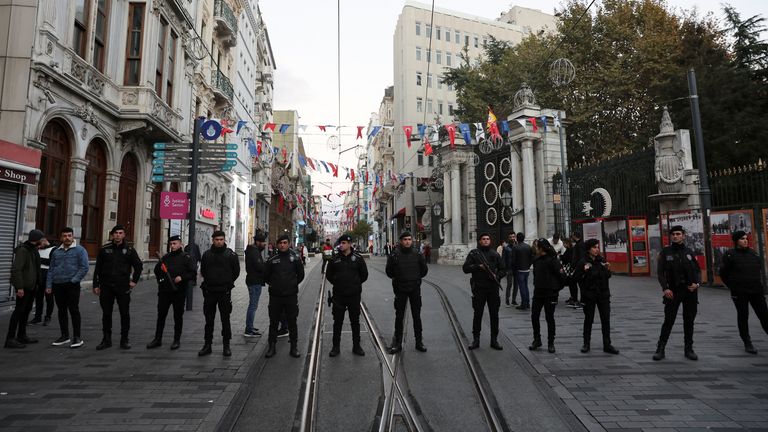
(548, 278)
(592, 273)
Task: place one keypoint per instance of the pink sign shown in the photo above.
(174, 205)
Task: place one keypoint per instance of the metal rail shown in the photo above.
(309, 402)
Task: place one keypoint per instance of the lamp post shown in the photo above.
(506, 202)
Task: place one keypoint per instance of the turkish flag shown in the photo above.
(334, 168)
(408, 131)
(533, 122)
(360, 132)
(427, 147)
(451, 134)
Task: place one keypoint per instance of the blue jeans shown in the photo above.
(522, 284)
(254, 292)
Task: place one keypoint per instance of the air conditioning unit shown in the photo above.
(263, 189)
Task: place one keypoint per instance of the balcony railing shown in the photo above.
(225, 17)
(222, 85)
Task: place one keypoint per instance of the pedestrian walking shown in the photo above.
(220, 268)
(593, 273)
(428, 253)
(387, 249)
(174, 273)
(44, 297)
(283, 272)
(487, 268)
(570, 265)
(327, 253)
(740, 271)
(346, 272)
(522, 259)
(507, 257)
(406, 267)
(254, 280)
(548, 279)
(118, 269)
(25, 278)
(578, 253)
(193, 250)
(557, 244)
(68, 267)
(679, 277)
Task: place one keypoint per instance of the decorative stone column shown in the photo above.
(112, 186)
(517, 187)
(447, 206)
(76, 195)
(529, 192)
(455, 204)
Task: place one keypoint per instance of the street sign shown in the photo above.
(188, 169)
(187, 147)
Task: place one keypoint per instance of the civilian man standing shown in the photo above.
(174, 272)
(118, 269)
(679, 277)
(25, 277)
(254, 279)
(284, 272)
(406, 267)
(522, 258)
(346, 272)
(220, 268)
(68, 267)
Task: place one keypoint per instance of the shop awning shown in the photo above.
(401, 213)
(19, 164)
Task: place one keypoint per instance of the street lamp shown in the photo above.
(437, 210)
(506, 202)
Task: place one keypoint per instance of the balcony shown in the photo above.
(226, 22)
(222, 86)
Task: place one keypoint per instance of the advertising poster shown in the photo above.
(693, 224)
(594, 230)
(639, 249)
(723, 224)
(616, 245)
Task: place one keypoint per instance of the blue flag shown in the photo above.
(374, 132)
(284, 128)
(465, 133)
(422, 130)
(544, 122)
(504, 127)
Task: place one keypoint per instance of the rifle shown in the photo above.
(168, 277)
(488, 270)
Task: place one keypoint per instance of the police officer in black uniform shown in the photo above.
(118, 269)
(284, 272)
(347, 272)
(220, 268)
(406, 267)
(487, 269)
(679, 277)
(740, 271)
(174, 272)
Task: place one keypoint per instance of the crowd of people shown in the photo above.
(42, 272)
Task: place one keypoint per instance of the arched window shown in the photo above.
(53, 186)
(126, 205)
(93, 198)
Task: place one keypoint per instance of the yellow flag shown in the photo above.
(491, 117)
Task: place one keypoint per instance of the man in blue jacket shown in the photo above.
(68, 266)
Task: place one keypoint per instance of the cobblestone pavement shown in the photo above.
(727, 389)
(47, 388)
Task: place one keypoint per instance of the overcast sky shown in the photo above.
(303, 34)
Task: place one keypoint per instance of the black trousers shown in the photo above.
(402, 298)
(107, 298)
(481, 297)
(573, 287)
(222, 301)
(166, 299)
(548, 304)
(511, 284)
(68, 302)
(690, 302)
(604, 309)
(351, 305)
(288, 305)
(742, 302)
(18, 325)
(40, 297)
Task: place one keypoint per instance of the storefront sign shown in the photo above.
(174, 205)
(16, 176)
(207, 213)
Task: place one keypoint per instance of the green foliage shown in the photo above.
(362, 230)
(631, 60)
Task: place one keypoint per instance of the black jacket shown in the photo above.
(579, 251)
(480, 278)
(284, 272)
(678, 268)
(522, 257)
(220, 268)
(116, 266)
(254, 266)
(740, 271)
(179, 263)
(25, 270)
(406, 267)
(594, 281)
(347, 273)
(548, 278)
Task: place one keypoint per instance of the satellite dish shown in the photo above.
(606, 200)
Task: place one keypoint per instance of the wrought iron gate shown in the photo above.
(493, 189)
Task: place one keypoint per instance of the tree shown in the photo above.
(362, 230)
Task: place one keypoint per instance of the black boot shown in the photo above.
(396, 347)
(125, 343)
(271, 350)
(205, 350)
(13, 343)
(156, 342)
(294, 352)
(357, 349)
(420, 345)
(334, 351)
(659, 354)
(495, 344)
(585, 348)
(689, 354)
(551, 347)
(226, 350)
(475, 343)
(176, 344)
(608, 348)
(105, 343)
(536, 344)
(748, 347)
